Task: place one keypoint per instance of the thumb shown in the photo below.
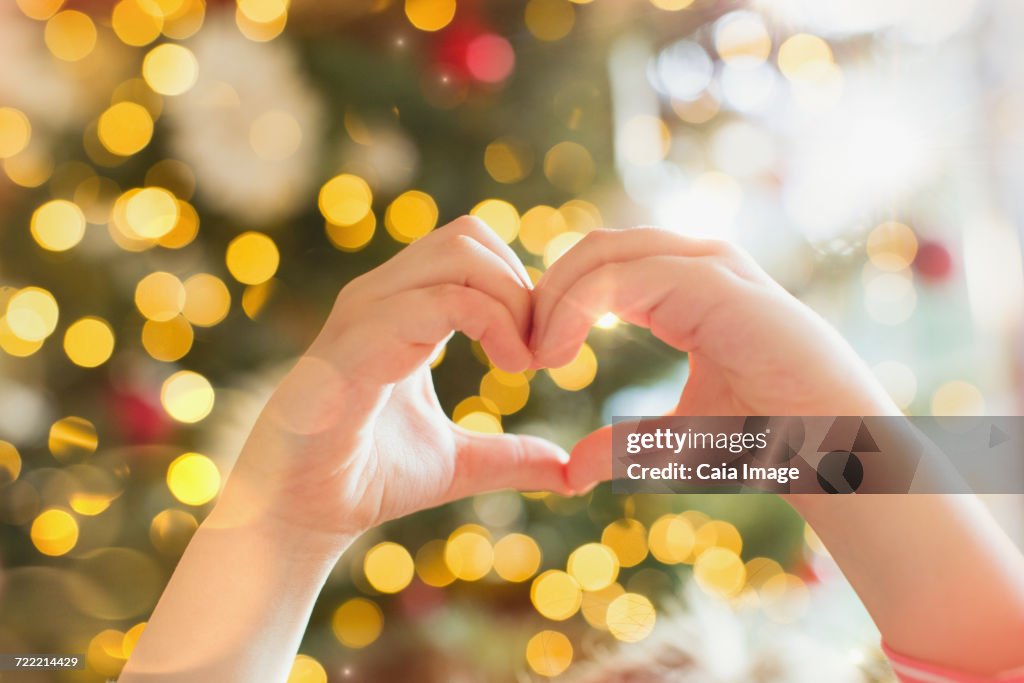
(487, 462)
(591, 460)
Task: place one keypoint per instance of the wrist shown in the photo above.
(263, 525)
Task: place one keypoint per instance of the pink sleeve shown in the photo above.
(912, 671)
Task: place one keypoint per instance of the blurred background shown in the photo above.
(186, 185)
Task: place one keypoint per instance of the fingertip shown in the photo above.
(505, 354)
(553, 460)
(513, 364)
(549, 447)
(558, 356)
(513, 361)
(590, 461)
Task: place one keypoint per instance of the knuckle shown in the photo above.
(656, 231)
(723, 249)
(464, 245)
(468, 224)
(599, 236)
(718, 271)
(451, 296)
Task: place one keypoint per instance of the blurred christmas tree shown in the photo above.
(187, 186)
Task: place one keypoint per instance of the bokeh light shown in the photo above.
(15, 132)
(500, 216)
(804, 56)
(672, 5)
(170, 69)
(252, 258)
(892, 246)
(357, 622)
(469, 555)
(345, 199)
(388, 567)
(517, 557)
(58, 225)
(32, 314)
(595, 605)
(262, 31)
(54, 532)
(508, 391)
(187, 396)
(306, 669)
(431, 567)
(490, 58)
(430, 15)
(410, 216)
(556, 595)
(184, 231)
(594, 566)
(958, 397)
(10, 462)
(672, 539)
(549, 653)
(558, 245)
(125, 128)
(41, 10)
(263, 11)
(135, 23)
(167, 340)
(742, 36)
(72, 437)
(569, 166)
(160, 296)
(170, 531)
(720, 571)
(538, 226)
(630, 617)
(627, 538)
(193, 479)
(352, 237)
(152, 212)
(131, 638)
(718, 534)
(549, 20)
(70, 35)
(507, 160)
(480, 422)
(578, 373)
(207, 300)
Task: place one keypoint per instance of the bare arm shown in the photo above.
(938, 575)
(353, 437)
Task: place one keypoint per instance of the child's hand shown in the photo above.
(355, 436)
(754, 349)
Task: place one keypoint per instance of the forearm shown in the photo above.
(942, 581)
(236, 607)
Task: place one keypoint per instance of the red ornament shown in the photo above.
(806, 572)
(933, 262)
(490, 58)
(467, 51)
(419, 600)
(138, 419)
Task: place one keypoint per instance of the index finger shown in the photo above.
(611, 246)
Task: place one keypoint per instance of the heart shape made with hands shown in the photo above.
(753, 348)
(365, 390)
(652, 278)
